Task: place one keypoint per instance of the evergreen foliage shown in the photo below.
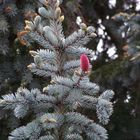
(58, 107)
(14, 58)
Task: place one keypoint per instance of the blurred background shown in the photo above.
(116, 62)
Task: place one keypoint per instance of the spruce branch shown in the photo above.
(24, 101)
(56, 109)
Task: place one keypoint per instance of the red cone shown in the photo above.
(84, 62)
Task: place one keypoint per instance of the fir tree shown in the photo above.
(58, 108)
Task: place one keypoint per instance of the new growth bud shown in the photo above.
(33, 53)
(83, 26)
(57, 12)
(61, 19)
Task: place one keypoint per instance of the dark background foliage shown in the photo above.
(118, 31)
